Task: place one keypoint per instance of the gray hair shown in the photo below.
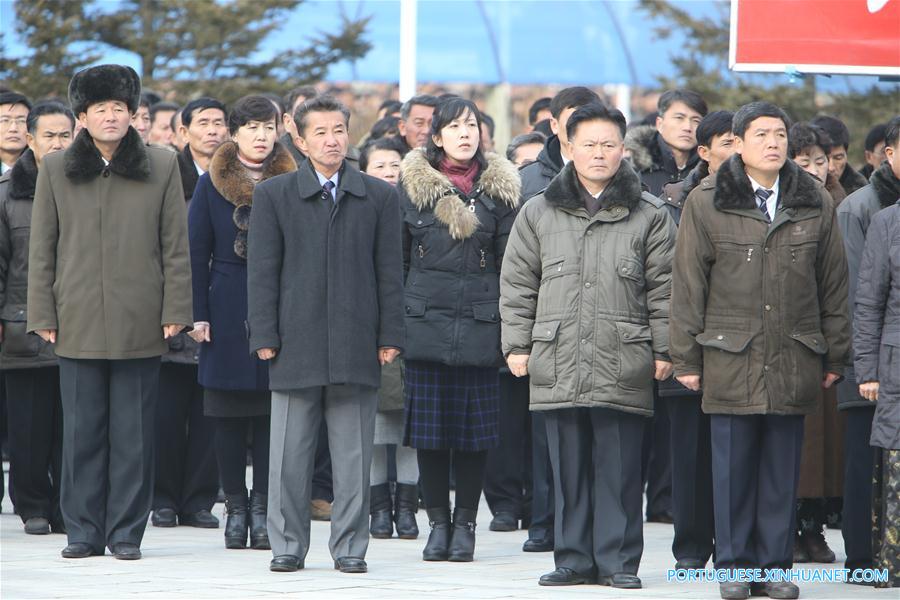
(319, 104)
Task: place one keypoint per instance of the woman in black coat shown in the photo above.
(236, 383)
(458, 206)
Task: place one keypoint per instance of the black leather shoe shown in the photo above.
(259, 533)
(439, 538)
(462, 540)
(538, 545)
(79, 550)
(381, 524)
(504, 521)
(564, 576)
(286, 563)
(237, 526)
(622, 581)
(690, 563)
(126, 551)
(734, 590)
(349, 564)
(202, 519)
(784, 590)
(663, 517)
(37, 526)
(163, 517)
(406, 504)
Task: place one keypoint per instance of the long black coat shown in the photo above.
(452, 258)
(325, 279)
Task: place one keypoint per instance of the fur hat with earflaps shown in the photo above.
(103, 83)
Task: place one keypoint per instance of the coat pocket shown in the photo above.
(726, 365)
(486, 312)
(18, 343)
(542, 362)
(415, 306)
(806, 367)
(635, 357)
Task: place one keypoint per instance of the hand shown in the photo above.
(171, 330)
(829, 380)
(48, 335)
(200, 333)
(663, 370)
(691, 382)
(266, 353)
(387, 355)
(869, 390)
(518, 364)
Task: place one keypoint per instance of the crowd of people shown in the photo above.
(701, 307)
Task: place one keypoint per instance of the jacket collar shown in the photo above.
(350, 182)
(623, 190)
(550, 156)
(229, 176)
(83, 161)
(684, 188)
(23, 177)
(650, 153)
(884, 182)
(733, 189)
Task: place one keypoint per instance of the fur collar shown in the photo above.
(229, 177)
(23, 177)
(734, 191)
(885, 184)
(83, 162)
(640, 141)
(623, 190)
(429, 189)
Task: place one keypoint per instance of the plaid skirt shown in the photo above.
(451, 408)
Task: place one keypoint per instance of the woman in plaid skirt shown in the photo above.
(459, 205)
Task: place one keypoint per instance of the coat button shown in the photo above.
(768, 307)
(418, 222)
(720, 337)
(588, 284)
(548, 332)
(583, 341)
(766, 249)
(590, 232)
(766, 368)
(626, 336)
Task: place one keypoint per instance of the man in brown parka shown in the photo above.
(759, 321)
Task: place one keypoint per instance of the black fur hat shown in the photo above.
(103, 83)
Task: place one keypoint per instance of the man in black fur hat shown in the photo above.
(109, 281)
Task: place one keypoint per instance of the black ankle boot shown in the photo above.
(405, 507)
(439, 538)
(236, 521)
(462, 546)
(380, 526)
(259, 534)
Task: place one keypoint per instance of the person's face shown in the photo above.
(720, 149)
(558, 126)
(106, 122)
(543, 115)
(487, 142)
(527, 154)
(51, 133)
(256, 139)
(892, 155)
(206, 132)
(764, 145)
(678, 126)
(459, 138)
(161, 128)
(324, 140)
(415, 130)
(141, 122)
(12, 127)
(876, 156)
(814, 161)
(597, 150)
(837, 161)
(385, 165)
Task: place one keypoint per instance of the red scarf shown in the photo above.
(461, 176)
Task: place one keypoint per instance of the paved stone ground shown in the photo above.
(192, 563)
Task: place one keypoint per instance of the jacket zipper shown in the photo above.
(421, 250)
(483, 262)
(749, 253)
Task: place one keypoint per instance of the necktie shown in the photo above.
(328, 193)
(762, 195)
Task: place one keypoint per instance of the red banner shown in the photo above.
(816, 36)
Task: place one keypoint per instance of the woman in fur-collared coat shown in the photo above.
(236, 382)
(458, 208)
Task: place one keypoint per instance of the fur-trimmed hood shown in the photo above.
(623, 190)
(83, 161)
(229, 176)
(796, 187)
(429, 189)
(640, 142)
(23, 177)
(885, 184)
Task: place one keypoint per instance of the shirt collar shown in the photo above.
(199, 170)
(773, 189)
(333, 179)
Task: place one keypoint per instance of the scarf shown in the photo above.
(461, 176)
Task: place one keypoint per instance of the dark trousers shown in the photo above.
(756, 468)
(108, 428)
(507, 476)
(542, 503)
(35, 441)
(692, 496)
(186, 478)
(656, 461)
(231, 434)
(596, 458)
(859, 458)
(322, 485)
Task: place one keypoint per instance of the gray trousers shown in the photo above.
(349, 411)
(107, 457)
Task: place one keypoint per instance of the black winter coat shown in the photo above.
(19, 350)
(536, 176)
(653, 160)
(452, 259)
